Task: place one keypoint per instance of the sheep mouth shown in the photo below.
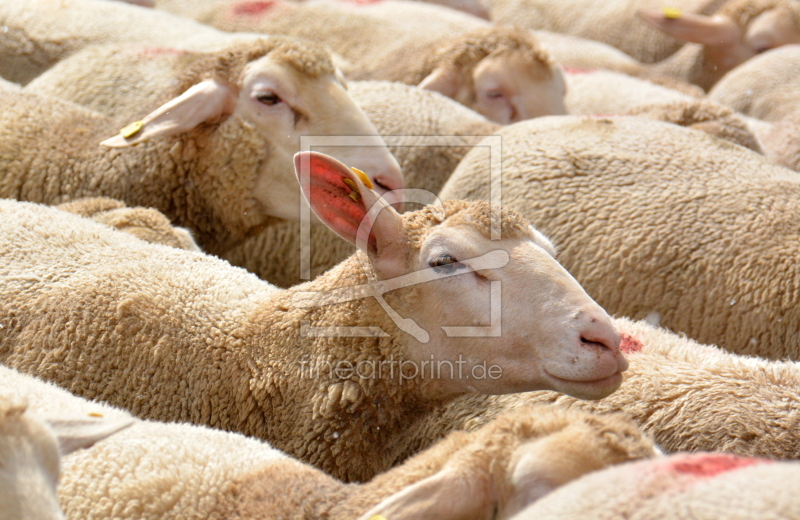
(579, 388)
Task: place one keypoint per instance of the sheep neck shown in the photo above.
(359, 409)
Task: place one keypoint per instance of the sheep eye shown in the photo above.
(494, 94)
(269, 98)
(446, 264)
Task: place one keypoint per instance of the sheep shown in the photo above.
(612, 23)
(176, 335)
(701, 486)
(688, 396)
(29, 455)
(274, 254)
(144, 223)
(656, 219)
(215, 157)
(764, 87)
(739, 30)
(162, 471)
(37, 35)
(500, 72)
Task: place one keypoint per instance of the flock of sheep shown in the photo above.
(213, 306)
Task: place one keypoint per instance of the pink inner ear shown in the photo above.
(331, 201)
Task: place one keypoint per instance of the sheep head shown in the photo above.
(500, 72)
(246, 110)
(487, 316)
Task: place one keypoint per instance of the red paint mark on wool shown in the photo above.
(362, 2)
(706, 465)
(578, 70)
(253, 8)
(155, 52)
(630, 345)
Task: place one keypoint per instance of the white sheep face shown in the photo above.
(509, 88)
(547, 334)
(286, 104)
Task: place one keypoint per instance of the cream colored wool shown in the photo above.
(145, 224)
(274, 254)
(223, 178)
(8, 85)
(573, 51)
(703, 115)
(688, 396)
(120, 81)
(370, 36)
(764, 87)
(177, 335)
(650, 217)
(607, 92)
(782, 142)
(613, 23)
(178, 471)
(39, 33)
(703, 486)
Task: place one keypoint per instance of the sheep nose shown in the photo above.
(599, 332)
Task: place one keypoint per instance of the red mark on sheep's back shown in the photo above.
(155, 52)
(630, 345)
(705, 465)
(254, 8)
(362, 2)
(578, 70)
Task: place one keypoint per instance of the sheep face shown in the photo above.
(500, 72)
(524, 315)
(28, 468)
(509, 88)
(285, 104)
(480, 315)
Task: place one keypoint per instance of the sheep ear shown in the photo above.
(695, 28)
(448, 495)
(444, 80)
(74, 434)
(206, 101)
(342, 201)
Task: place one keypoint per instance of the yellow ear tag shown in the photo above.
(355, 195)
(672, 13)
(378, 517)
(95, 414)
(363, 177)
(132, 129)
